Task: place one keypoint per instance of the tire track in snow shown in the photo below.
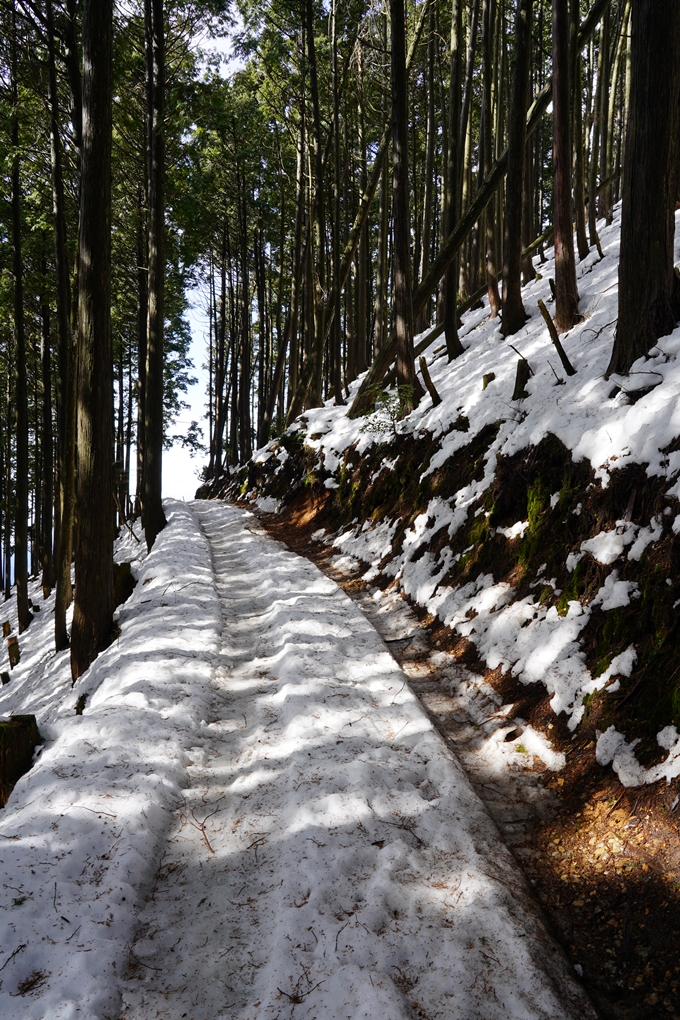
(330, 858)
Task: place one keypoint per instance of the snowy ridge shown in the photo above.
(610, 423)
(80, 832)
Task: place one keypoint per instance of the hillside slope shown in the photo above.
(541, 532)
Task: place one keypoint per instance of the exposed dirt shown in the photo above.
(604, 861)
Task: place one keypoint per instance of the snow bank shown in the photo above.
(79, 834)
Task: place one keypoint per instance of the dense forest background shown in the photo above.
(367, 171)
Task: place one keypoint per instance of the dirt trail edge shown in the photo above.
(330, 858)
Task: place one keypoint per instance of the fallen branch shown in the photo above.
(12, 955)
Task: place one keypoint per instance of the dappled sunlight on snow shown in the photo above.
(329, 850)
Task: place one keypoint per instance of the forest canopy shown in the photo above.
(363, 172)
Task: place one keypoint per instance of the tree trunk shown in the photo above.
(514, 315)
(487, 228)
(318, 213)
(403, 315)
(142, 315)
(290, 327)
(8, 481)
(430, 139)
(595, 155)
(21, 518)
(361, 316)
(579, 175)
(152, 508)
(336, 345)
(454, 348)
(566, 292)
(649, 292)
(47, 561)
(93, 609)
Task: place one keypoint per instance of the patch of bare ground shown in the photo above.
(603, 861)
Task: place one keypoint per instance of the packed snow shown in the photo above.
(610, 423)
(253, 817)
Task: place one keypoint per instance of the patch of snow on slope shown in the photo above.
(612, 747)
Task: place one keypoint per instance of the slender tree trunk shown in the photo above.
(604, 106)
(152, 507)
(566, 292)
(47, 561)
(360, 344)
(595, 154)
(429, 182)
(93, 608)
(9, 507)
(380, 327)
(290, 327)
(336, 344)
(611, 111)
(21, 517)
(318, 211)
(514, 315)
(65, 494)
(454, 348)
(403, 314)
(649, 291)
(488, 234)
(579, 172)
(142, 315)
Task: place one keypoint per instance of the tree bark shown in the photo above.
(153, 517)
(649, 292)
(93, 608)
(514, 315)
(566, 291)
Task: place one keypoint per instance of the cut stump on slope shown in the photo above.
(19, 737)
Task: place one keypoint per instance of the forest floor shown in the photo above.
(243, 811)
(603, 861)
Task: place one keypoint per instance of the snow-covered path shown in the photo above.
(330, 858)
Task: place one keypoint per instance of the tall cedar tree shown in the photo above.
(66, 387)
(454, 347)
(152, 506)
(93, 608)
(566, 291)
(403, 313)
(649, 290)
(21, 519)
(514, 315)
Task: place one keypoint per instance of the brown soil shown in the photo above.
(606, 867)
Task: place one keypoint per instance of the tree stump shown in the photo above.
(19, 737)
(13, 651)
(521, 379)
